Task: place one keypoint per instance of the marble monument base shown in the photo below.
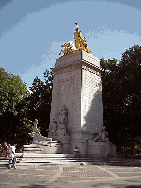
(87, 148)
(94, 150)
(42, 145)
(66, 145)
(100, 150)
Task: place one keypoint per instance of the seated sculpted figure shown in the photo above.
(102, 136)
(61, 131)
(53, 128)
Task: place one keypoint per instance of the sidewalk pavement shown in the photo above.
(126, 174)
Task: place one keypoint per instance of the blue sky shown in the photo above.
(32, 31)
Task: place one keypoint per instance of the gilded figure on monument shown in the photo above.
(80, 43)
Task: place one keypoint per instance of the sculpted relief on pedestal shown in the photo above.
(102, 136)
(59, 124)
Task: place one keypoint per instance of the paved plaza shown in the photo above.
(71, 175)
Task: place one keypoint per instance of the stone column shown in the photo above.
(77, 85)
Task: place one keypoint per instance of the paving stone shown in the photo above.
(42, 174)
(68, 179)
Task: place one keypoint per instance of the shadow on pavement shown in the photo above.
(49, 185)
(124, 163)
(111, 185)
(133, 186)
(35, 186)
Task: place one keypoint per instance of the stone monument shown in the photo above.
(76, 117)
(41, 144)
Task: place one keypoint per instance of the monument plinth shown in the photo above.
(77, 110)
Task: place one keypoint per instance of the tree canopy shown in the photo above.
(39, 104)
(18, 106)
(122, 97)
(12, 114)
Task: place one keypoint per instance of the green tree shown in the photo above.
(130, 74)
(122, 97)
(39, 101)
(13, 122)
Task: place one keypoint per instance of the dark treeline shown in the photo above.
(122, 99)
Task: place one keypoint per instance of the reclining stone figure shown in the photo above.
(102, 136)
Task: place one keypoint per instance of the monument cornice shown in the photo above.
(79, 59)
(67, 68)
(78, 65)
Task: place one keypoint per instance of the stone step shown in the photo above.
(50, 141)
(5, 160)
(33, 149)
(85, 161)
(47, 143)
(34, 161)
(36, 155)
(47, 159)
(67, 159)
(55, 161)
(31, 146)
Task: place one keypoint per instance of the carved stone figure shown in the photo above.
(59, 126)
(62, 126)
(64, 115)
(102, 136)
(61, 131)
(53, 128)
(35, 128)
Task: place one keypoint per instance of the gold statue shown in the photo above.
(80, 43)
(68, 48)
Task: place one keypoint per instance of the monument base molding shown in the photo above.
(100, 150)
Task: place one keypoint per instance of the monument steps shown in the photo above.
(32, 160)
(63, 158)
(31, 146)
(58, 161)
(49, 158)
(33, 149)
(41, 147)
(45, 155)
(25, 159)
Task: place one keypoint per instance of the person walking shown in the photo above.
(12, 158)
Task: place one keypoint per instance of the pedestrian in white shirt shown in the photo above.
(12, 160)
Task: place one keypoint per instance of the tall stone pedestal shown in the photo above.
(77, 88)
